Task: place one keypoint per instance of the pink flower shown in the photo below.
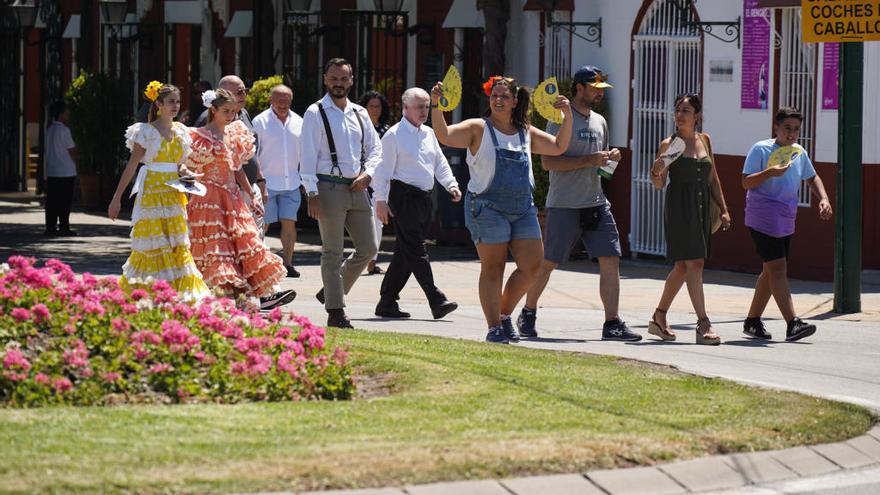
(93, 308)
(40, 312)
(20, 262)
(111, 377)
(15, 377)
(20, 314)
(78, 356)
(62, 385)
(283, 332)
(340, 356)
(159, 368)
(145, 336)
(287, 364)
(200, 356)
(129, 309)
(41, 379)
(120, 325)
(161, 285)
(14, 359)
(275, 315)
(138, 294)
(177, 337)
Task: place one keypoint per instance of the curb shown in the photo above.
(723, 472)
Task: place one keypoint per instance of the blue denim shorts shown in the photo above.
(282, 205)
(490, 226)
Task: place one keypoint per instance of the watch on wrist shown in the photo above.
(312, 194)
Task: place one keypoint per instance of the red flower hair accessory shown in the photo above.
(487, 86)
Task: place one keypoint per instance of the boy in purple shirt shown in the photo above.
(771, 208)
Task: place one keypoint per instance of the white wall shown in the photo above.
(522, 48)
(733, 129)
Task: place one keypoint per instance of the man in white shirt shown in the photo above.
(411, 161)
(60, 172)
(278, 133)
(340, 152)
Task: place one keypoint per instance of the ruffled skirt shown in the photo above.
(160, 241)
(227, 247)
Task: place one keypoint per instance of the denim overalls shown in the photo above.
(504, 211)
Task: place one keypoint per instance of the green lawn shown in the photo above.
(456, 409)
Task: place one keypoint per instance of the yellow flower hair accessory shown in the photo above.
(152, 91)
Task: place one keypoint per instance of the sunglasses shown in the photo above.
(241, 91)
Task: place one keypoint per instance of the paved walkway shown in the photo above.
(842, 361)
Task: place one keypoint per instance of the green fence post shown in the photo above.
(848, 214)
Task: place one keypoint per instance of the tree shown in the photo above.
(496, 14)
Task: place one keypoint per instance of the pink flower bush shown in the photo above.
(77, 339)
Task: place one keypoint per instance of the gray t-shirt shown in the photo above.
(581, 188)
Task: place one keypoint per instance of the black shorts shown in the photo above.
(770, 248)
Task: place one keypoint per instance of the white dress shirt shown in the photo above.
(411, 154)
(315, 156)
(278, 149)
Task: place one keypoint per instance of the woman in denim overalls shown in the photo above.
(498, 206)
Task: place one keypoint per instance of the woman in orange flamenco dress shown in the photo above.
(226, 244)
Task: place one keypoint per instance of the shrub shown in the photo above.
(90, 116)
(79, 340)
(258, 97)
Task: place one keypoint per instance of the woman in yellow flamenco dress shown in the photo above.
(160, 248)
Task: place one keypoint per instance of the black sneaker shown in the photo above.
(291, 272)
(511, 331)
(497, 335)
(337, 318)
(797, 330)
(279, 298)
(66, 233)
(617, 330)
(754, 328)
(526, 324)
(320, 296)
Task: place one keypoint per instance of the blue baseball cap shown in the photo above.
(592, 75)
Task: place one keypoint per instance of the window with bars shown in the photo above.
(797, 83)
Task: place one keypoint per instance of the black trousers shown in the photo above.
(412, 212)
(59, 196)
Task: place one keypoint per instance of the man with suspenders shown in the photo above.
(340, 152)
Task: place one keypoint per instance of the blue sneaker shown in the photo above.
(510, 330)
(497, 335)
(526, 324)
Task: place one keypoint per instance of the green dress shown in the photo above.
(686, 215)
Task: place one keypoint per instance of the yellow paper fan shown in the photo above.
(451, 90)
(782, 156)
(544, 97)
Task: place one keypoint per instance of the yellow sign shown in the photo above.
(840, 20)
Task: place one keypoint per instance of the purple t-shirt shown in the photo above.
(771, 208)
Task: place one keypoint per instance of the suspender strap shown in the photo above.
(334, 167)
(491, 128)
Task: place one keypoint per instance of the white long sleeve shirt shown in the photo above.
(278, 149)
(315, 156)
(412, 155)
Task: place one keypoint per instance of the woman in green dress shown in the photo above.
(693, 187)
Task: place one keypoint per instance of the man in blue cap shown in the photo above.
(577, 207)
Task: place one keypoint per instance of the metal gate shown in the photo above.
(10, 124)
(302, 57)
(376, 43)
(797, 83)
(668, 62)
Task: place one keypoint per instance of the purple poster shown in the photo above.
(830, 80)
(755, 55)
